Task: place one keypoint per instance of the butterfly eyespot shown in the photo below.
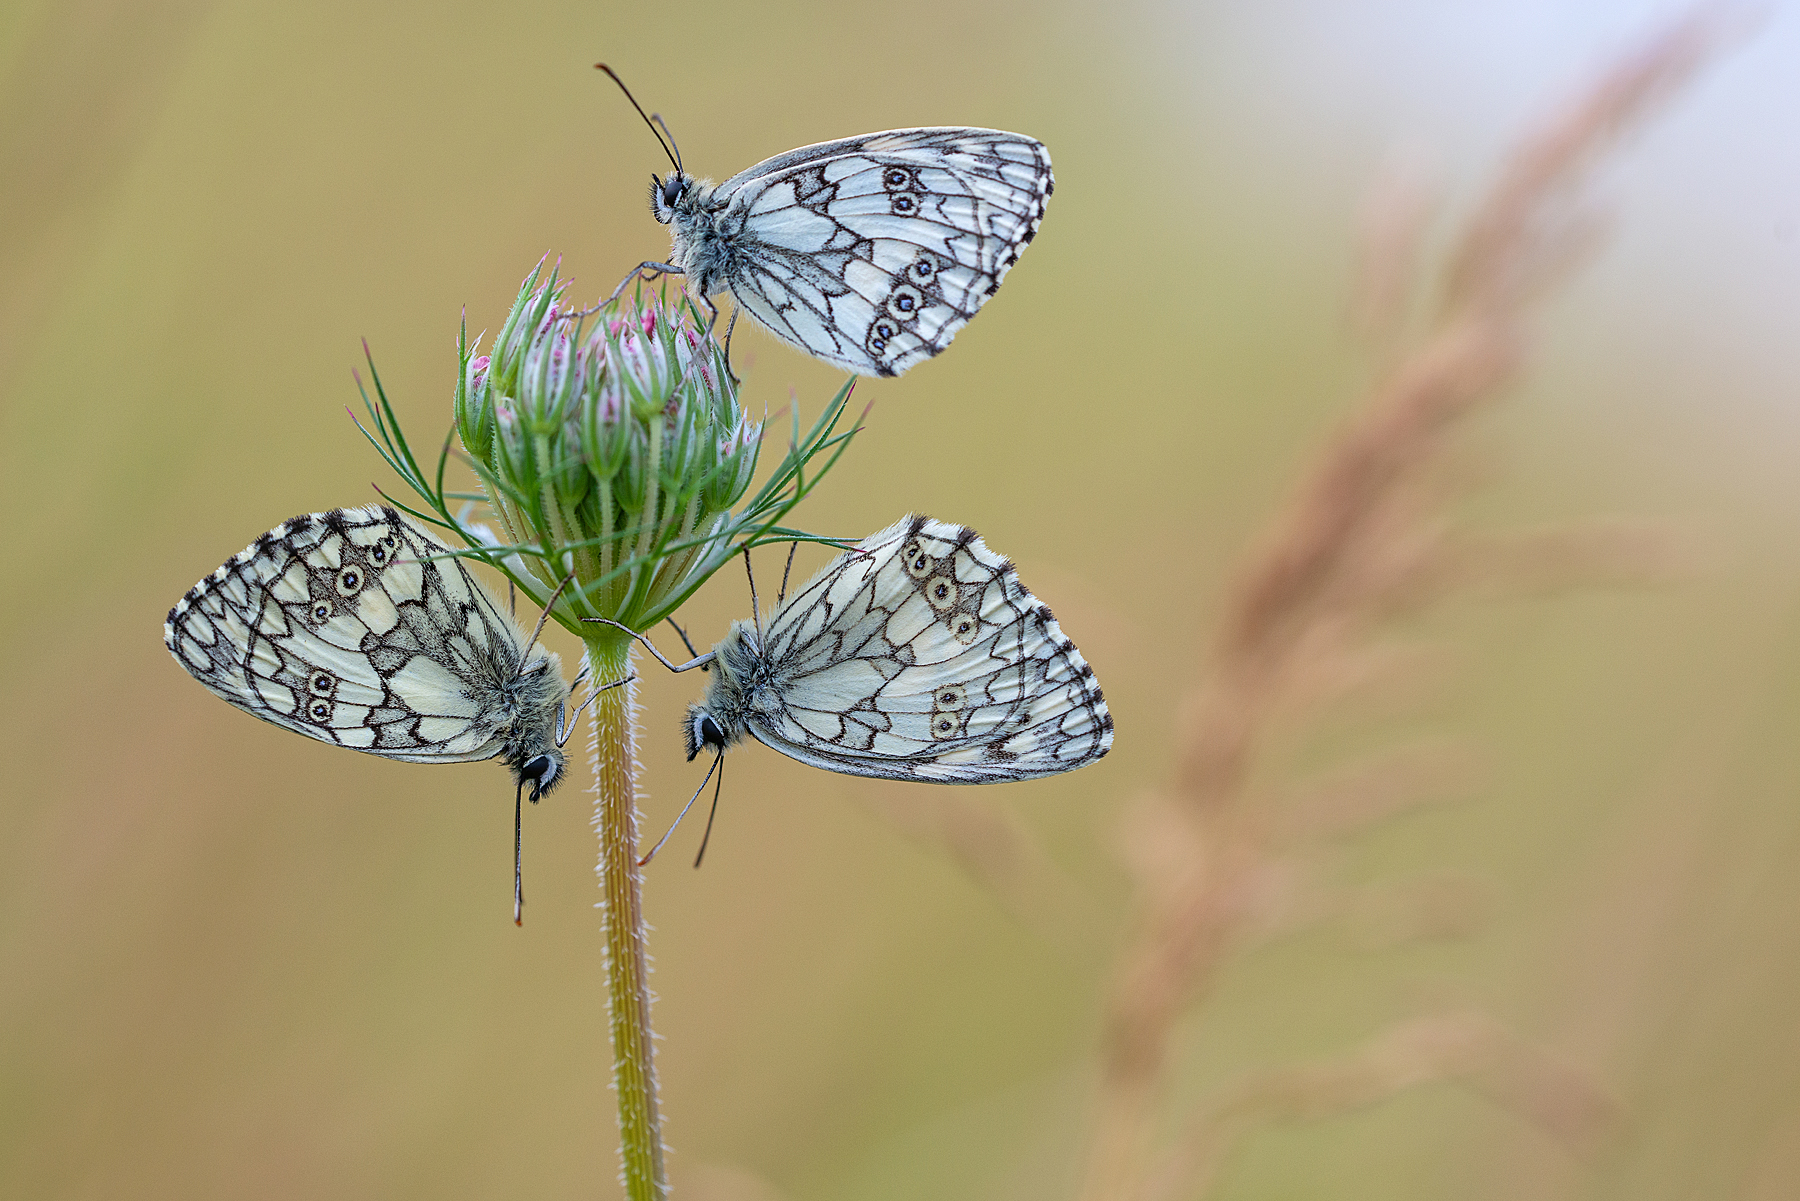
(949, 698)
(918, 563)
(941, 592)
(905, 301)
(321, 611)
(378, 555)
(924, 268)
(944, 725)
(894, 178)
(349, 581)
(322, 683)
(964, 628)
(904, 204)
(879, 334)
(319, 711)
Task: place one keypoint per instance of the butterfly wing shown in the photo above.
(872, 252)
(341, 626)
(920, 656)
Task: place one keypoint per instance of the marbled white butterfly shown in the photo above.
(868, 252)
(344, 627)
(916, 655)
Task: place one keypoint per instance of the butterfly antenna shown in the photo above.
(711, 813)
(542, 618)
(658, 118)
(518, 858)
(755, 608)
(717, 759)
(643, 114)
(782, 595)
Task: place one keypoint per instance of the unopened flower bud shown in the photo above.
(617, 447)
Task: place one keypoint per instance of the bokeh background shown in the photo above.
(234, 963)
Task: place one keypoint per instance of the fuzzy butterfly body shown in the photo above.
(344, 627)
(868, 252)
(917, 655)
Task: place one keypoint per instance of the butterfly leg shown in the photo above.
(698, 661)
(712, 320)
(685, 641)
(644, 271)
(564, 729)
(729, 326)
(755, 608)
(782, 595)
(542, 618)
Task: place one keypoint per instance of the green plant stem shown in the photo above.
(627, 960)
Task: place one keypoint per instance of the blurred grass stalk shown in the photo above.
(1360, 542)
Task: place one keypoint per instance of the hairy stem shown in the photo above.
(621, 886)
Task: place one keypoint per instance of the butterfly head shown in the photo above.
(666, 195)
(543, 771)
(703, 732)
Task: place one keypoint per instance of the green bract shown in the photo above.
(614, 452)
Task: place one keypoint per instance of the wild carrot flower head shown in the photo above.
(614, 451)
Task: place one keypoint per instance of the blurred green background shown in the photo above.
(235, 963)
